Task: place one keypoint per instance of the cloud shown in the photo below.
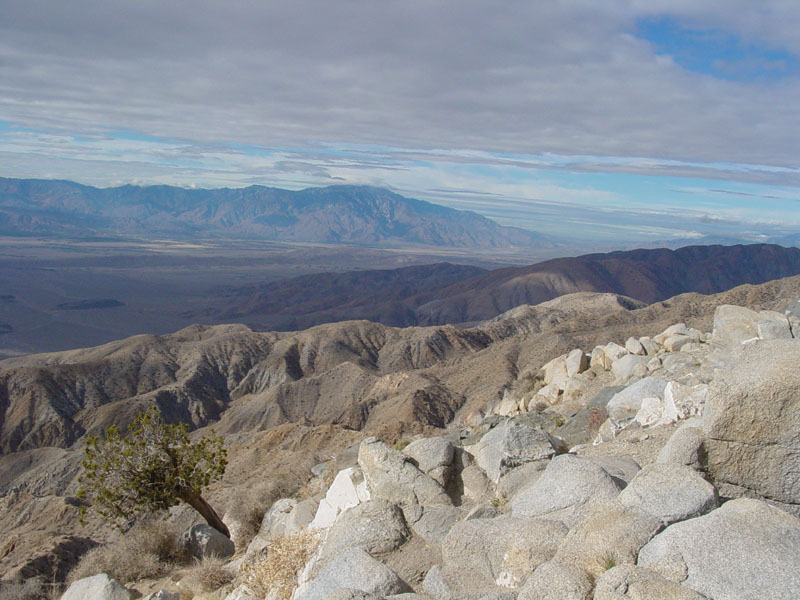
(558, 116)
(531, 78)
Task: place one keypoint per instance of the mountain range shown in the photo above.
(445, 293)
(287, 401)
(336, 214)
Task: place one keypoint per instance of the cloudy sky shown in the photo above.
(619, 119)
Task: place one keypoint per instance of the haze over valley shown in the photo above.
(157, 259)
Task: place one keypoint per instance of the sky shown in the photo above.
(620, 120)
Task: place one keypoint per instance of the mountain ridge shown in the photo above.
(334, 214)
(287, 401)
(443, 293)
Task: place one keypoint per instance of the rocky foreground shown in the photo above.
(667, 467)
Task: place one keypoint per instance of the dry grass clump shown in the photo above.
(207, 575)
(30, 589)
(276, 574)
(607, 560)
(251, 505)
(149, 549)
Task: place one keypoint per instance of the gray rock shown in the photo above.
(555, 372)
(98, 587)
(629, 366)
(745, 549)
(692, 347)
(677, 364)
(684, 447)
(434, 522)
(625, 404)
(433, 456)
(538, 420)
(621, 468)
(350, 594)
(481, 555)
(518, 478)
(556, 581)
(204, 541)
(391, 475)
(435, 585)
(794, 322)
(273, 525)
(353, 570)
(670, 492)
(611, 533)
(576, 362)
(634, 346)
(678, 328)
(650, 346)
(508, 446)
(482, 511)
(613, 352)
(499, 596)
(162, 595)
(792, 308)
(599, 360)
(576, 389)
(375, 526)
(581, 428)
(347, 490)
(654, 364)
(476, 485)
(241, 592)
(627, 582)
(734, 325)
(753, 427)
(301, 515)
(322, 470)
(566, 485)
(676, 342)
(773, 326)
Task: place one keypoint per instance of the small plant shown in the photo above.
(208, 575)
(531, 383)
(606, 561)
(30, 589)
(149, 549)
(500, 500)
(276, 574)
(152, 468)
(400, 445)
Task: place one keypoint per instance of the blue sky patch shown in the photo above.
(716, 52)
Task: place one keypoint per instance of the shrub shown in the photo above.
(606, 561)
(30, 589)
(152, 468)
(149, 549)
(399, 445)
(207, 575)
(276, 573)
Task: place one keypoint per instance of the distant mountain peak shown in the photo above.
(352, 214)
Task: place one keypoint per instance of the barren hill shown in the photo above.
(645, 275)
(444, 293)
(286, 401)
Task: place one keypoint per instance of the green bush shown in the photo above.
(152, 468)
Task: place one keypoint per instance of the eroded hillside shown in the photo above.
(285, 401)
